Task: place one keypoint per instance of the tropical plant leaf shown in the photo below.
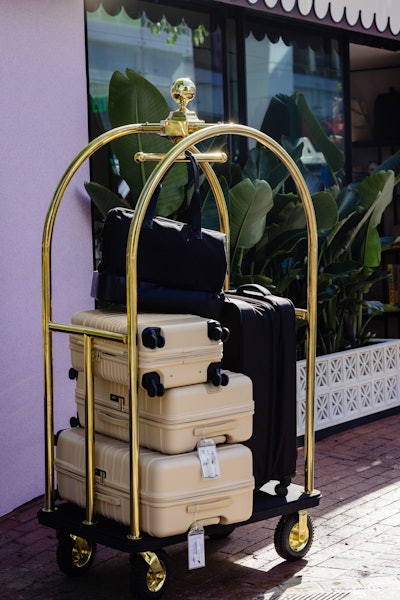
(376, 189)
(133, 99)
(391, 164)
(103, 198)
(209, 211)
(345, 268)
(347, 200)
(292, 214)
(333, 155)
(249, 204)
(262, 163)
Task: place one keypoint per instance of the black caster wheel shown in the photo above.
(75, 555)
(286, 538)
(281, 490)
(149, 575)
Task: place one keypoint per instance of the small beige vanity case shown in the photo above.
(173, 350)
(175, 422)
(173, 492)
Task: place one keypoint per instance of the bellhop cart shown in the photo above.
(80, 529)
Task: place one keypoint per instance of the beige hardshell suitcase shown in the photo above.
(176, 422)
(173, 493)
(173, 350)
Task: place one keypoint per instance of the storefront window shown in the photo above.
(159, 50)
(238, 64)
(310, 66)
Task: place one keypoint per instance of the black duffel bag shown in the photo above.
(170, 253)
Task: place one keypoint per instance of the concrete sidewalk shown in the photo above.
(355, 554)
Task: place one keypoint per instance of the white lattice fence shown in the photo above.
(351, 384)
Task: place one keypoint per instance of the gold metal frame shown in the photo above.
(198, 132)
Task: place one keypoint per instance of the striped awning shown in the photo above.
(377, 17)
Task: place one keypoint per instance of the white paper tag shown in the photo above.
(196, 552)
(207, 452)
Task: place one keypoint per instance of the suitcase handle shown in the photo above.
(192, 509)
(254, 290)
(109, 499)
(112, 420)
(216, 429)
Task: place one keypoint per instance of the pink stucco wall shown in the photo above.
(43, 125)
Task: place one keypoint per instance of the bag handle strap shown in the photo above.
(253, 290)
(194, 212)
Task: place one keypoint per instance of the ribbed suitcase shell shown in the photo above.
(175, 423)
(173, 493)
(183, 360)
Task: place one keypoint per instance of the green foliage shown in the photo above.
(268, 237)
(132, 99)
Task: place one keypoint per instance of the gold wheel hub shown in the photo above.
(81, 551)
(296, 542)
(155, 579)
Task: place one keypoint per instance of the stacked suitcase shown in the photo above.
(184, 397)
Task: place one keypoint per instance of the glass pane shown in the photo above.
(284, 66)
(161, 51)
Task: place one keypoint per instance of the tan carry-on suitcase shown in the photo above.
(173, 350)
(173, 493)
(175, 423)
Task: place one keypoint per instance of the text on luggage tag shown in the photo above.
(207, 452)
(196, 551)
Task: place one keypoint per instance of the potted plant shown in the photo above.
(268, 230)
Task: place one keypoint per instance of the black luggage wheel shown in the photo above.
(216, 332)
(216, 376)
(152, 337)
(151, 382)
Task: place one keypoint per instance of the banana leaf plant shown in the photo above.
(268, 235)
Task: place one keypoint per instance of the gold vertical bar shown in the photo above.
(89, 429)
(48, 228)
(48, 424)
(131, 301)
(48, 373)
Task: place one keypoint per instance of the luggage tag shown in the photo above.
(196, 552)
(207, 452)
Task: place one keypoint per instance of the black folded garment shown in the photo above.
(155, 298)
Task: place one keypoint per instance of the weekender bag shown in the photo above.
(177, 255)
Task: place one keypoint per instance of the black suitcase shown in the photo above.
(262, 345)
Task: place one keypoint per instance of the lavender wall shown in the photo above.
(43, 125)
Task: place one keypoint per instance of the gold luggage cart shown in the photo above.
(78, 529)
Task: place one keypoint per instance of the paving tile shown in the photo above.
(355, 553)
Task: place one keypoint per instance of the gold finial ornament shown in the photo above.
(183, 91)
(181, 122)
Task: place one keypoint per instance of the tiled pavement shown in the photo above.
(355, 554)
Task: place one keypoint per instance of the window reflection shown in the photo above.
(161, 51)
(284, 66)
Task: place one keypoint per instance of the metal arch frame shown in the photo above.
(201, 133)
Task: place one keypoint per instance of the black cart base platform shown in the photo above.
(70, 518)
